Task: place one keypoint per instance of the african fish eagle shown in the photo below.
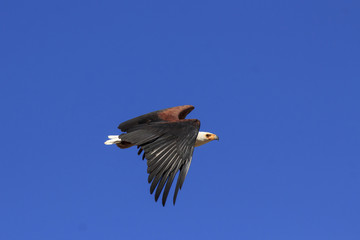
(168, 141)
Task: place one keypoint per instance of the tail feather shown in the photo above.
(113, 139)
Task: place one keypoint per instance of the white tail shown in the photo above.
(112, 140)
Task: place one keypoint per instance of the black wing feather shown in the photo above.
(168, 148)
(168, 185)
(183, 172)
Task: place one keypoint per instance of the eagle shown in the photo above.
(167, 141)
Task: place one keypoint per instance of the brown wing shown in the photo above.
(168, 114)
(168, 148)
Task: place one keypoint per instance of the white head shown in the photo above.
(205, 137)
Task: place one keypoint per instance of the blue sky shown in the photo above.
(277, 81)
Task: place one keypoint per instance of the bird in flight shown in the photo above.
(167, 141)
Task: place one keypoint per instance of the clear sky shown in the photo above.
(277, 81)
